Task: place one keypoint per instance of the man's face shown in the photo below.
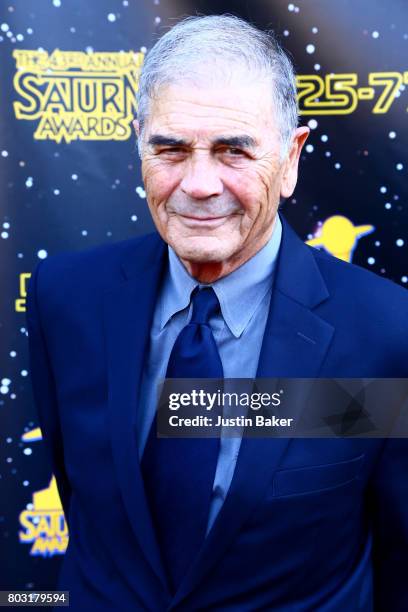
(213, 171)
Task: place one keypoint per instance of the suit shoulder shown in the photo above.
(98, 260)
(70, 272)
(341, 274)
(364, 296)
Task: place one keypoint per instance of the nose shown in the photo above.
(201, 179)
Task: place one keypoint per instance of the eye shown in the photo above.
(174, 153)
(234, 151)
(171, 150)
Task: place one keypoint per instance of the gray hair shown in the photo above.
(224, 40)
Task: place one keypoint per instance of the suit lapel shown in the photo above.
(295, 343)
(128, 312)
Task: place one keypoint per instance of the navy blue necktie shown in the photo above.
(179, 473)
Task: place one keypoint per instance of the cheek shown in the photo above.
(160, 181)
(253, 190)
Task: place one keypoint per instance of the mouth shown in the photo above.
(203, 221)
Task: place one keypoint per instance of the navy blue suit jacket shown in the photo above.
(308, 525)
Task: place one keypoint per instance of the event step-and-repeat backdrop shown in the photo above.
(70, 179)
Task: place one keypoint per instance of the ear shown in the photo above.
(135, 124)
(290, 171)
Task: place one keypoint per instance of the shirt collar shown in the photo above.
(239, 293)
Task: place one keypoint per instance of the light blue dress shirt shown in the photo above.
(244, 297)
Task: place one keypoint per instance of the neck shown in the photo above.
(207, 272)
(211, 271)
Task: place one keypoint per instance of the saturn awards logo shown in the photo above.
(43, 522)
(73, 95)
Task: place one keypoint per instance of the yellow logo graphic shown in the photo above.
(20, 302)
(339, 94)
(44, 524)
(44, 521)
(32, 436)
(76, 95)
(339, 236)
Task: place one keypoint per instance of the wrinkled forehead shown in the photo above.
(208, 105)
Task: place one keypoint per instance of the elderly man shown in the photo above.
(224, 289)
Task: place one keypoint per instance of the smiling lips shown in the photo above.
(203, 221)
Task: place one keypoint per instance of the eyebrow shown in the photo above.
(242, 142)
(159, 139)
(239, 142)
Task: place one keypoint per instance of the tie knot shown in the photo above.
(205, 305)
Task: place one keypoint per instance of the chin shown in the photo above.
(199, 250)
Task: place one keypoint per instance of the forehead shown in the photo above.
(209, 109)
